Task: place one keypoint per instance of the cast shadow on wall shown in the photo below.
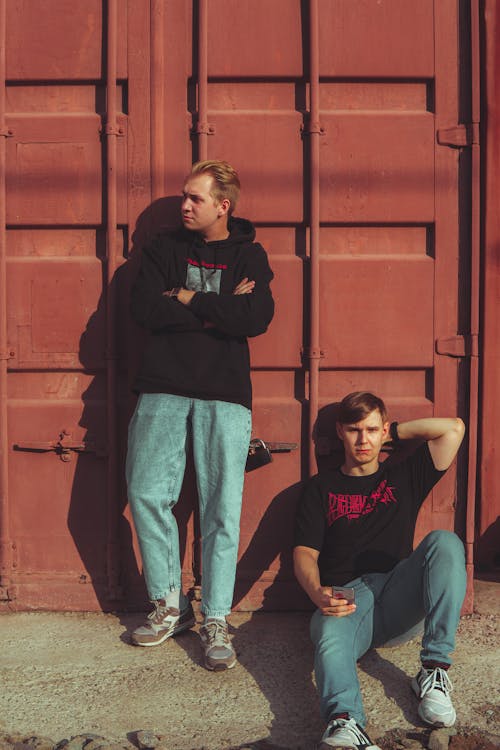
(100, 528)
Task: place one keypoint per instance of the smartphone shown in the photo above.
(341, 592)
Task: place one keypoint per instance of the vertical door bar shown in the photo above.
(314, 135)
(474, 312)
(202, 127)
(158, 80)
(202, 130)
(111, 264)
(5, 542)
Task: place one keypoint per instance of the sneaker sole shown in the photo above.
(179, 628)
(325, 746)
(437, 724)
(220, 667)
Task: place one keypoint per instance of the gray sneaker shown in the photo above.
(217, 648)
(162, 623)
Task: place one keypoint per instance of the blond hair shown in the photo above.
(226, 183)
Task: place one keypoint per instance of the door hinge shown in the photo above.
(459, 136)
(459, 346)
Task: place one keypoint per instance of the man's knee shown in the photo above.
(445, 544)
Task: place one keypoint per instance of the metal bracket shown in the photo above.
(309, 128)
(63, 447)
(313, 353)
(459, 136)
(8, 593)
(114, 130)
(204, 128)
(7, 132)
(459, 346)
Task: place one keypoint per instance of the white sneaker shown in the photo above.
(346, 733)
(433, 688)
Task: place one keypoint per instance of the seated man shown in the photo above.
(354, 529)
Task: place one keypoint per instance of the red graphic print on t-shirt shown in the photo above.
(354, 506)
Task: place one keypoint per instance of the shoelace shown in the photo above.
(217, 633)
(352, 727)
(439, 679)
(159, 613)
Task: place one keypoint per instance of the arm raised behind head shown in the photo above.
(443, 435)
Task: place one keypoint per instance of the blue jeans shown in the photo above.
(160, 433)
(429, 585)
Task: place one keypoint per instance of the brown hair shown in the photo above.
(226, 183)
(358, 405)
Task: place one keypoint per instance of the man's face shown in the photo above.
(363, 441)
(200, 211)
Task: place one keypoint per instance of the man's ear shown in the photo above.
(340, 430)
(224, 206)
(385, 431)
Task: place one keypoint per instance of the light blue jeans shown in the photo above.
(429, 585)
(161, 432)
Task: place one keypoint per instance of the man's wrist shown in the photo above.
(184, 296)
(393, 432)
(173, 293)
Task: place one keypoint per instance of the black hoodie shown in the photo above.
(200, 350)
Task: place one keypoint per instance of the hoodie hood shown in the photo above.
(240, 231)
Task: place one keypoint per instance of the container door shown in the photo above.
(344, 121)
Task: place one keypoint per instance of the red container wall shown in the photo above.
(488, 523)
(342, 119)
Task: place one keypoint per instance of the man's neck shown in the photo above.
(363, 470)
(216, 237)
(216, 233)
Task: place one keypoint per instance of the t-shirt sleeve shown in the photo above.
(424, 474)
(310, 521)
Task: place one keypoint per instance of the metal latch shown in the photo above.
(459, 346)
(281, 447)
(63, 447)
(259, 452)
(459, 136)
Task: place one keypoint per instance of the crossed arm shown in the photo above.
(244, 287)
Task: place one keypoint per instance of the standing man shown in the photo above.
(200, 292)
(354, 529)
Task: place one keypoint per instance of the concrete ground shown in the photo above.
(67, 674)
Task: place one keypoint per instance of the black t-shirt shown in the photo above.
(364, 524)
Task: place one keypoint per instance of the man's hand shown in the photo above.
(330, 606)
(185, 296)
(244, 287)
(305, 563)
